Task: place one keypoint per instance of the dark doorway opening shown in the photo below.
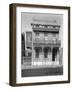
(54, 53)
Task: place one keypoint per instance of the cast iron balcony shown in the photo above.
(37, 41)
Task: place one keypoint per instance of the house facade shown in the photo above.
(43, 46)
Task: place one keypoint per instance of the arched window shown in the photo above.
(37, 51)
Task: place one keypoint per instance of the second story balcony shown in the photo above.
(43, 41)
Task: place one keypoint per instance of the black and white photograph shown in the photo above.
(41, 44)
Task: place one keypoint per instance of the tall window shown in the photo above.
(29, 39)
(37, 33)
(54, 53)
(29, 36)
(37, 54)
(45, 52)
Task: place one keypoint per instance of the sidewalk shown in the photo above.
(42, 71)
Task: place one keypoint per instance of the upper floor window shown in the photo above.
(29, 36)
(37, 34)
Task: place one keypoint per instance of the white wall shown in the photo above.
(4, 45)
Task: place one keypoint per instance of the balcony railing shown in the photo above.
(26, 61)
(43, 42)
